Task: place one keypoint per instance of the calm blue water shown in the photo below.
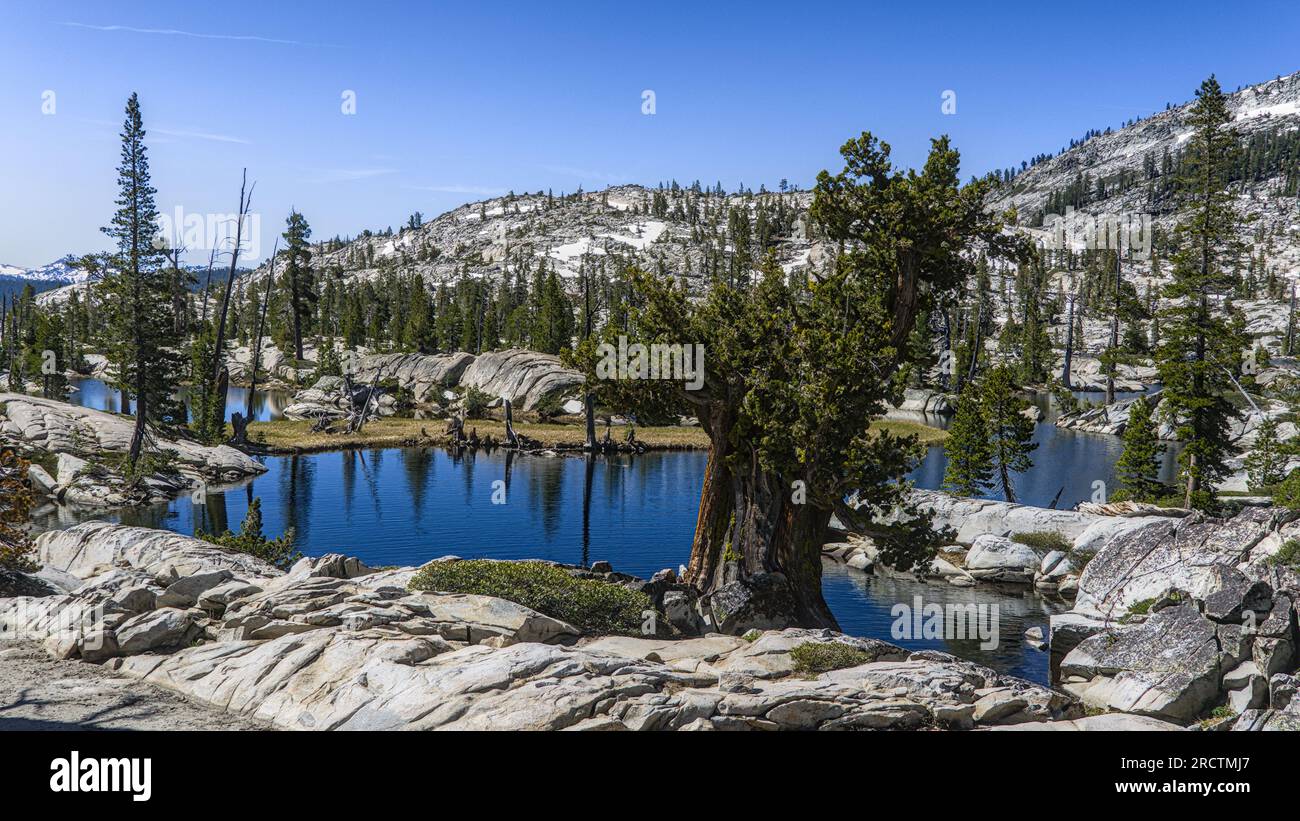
(408, 505)
(1066, 462)
(95, 394)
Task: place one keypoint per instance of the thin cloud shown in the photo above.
(457, 189)
(349, 174)
(201, 135)
(187, 133)
(253, 38)
(584, 173)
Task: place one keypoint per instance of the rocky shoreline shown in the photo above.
(333, 644)
(78, 445)
(1178, 620)
(1005, 543)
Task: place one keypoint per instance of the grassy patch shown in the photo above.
(1217, 714)
(925, 434)
(594, 606)
(1141, 608)
(1045, 540)
(812, 658)
(1144, 607)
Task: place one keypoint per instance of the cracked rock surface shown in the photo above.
(333, 644)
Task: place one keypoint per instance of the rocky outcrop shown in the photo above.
(1146, 562)
(1089, 375)
(274, 367)
(926, 402)
(1168, 666)
(333, 644)
(1109, 419)
(424, 375)
(996, 558)
(329, 398)
(18, 583)
(81, 437)
(526, 378)
(94, 548)
(336, 679)
(1183, 615)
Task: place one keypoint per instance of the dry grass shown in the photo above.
(285, 436)
(899, 427)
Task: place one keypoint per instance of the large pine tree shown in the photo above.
(136, 299)
(794, 376)
(1201, 333)
(299, 277)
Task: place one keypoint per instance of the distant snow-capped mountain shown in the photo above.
(57, 273)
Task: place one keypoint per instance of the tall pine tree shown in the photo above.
(299, 277)
(137, 303)
(969, 469)
(1201, 333)
(1010, 430)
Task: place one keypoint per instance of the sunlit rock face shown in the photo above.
(334, 644)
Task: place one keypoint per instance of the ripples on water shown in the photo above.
(1066, 462)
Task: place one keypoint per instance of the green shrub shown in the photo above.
(1045, 540)
(592, 605)
(250, 539)
(1144, 607)
(1287, 492)
(1217, 714)
(16, 552)
(1286, 556)
(476, 403)
(1066, 401)
(1141, 608)
(812, 658)
(150, 463)
(550, 408)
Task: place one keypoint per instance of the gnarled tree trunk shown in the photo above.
(756, 557)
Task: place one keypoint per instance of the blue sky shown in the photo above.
(458, 101)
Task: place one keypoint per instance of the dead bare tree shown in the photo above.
(241, 423)
(245, 204)
(512, 440)
(1070, 298)
(207, 287)
(360, 400)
